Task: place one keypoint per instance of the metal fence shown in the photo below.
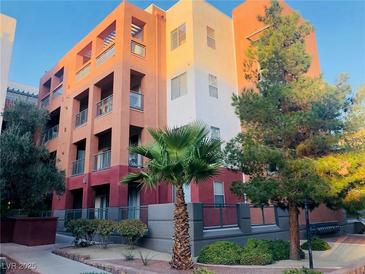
(25, 212)
(262, 215)
(220, 216)
(114, 213)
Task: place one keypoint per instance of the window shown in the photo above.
(215, 133)
(178, 36)
(210, 37)
(213, 86)
(218, 193)
(178, 86)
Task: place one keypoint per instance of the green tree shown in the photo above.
(289, 119)
(28, 174)
(178, 156)
(344, 169)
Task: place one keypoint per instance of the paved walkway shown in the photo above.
(44, 261)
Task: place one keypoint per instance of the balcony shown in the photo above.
(83, 72)
(138, 49)
(78, 167)
(105, 55)
(104, 106)
(81, 118)
(50, 134)
(136, 100)
(102, 160)
(45, 102)
(58, 91)
(135, 160)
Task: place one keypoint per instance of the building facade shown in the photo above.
(7, 35)
(141, 69)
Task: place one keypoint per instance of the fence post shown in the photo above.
(244, 217)
(281, 218)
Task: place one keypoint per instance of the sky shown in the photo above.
(47, 30)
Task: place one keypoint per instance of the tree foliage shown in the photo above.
(178, 156)
(28, 173)
(290, 119)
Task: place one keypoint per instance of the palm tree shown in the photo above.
(178, 156)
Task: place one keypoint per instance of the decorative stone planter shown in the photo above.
(33, 231)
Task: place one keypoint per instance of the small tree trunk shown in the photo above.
(181, 252)
(294, 232)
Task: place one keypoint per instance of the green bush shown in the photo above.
(221, 252)
(301, 271)
(104, 228)
(256, 252)
(131, 230)
(280, 249)
(202, 270)
(83, 231)
(317, 244)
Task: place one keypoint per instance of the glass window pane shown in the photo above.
(174, 39)
(218, 188)
(219, 199)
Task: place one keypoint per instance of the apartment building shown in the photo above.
(141, 69)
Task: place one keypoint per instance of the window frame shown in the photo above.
(211, 38)
(178, 34)
(213, 85)
(179, 94)
(215, 194)
(212, 129)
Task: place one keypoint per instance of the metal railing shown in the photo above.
(105, 55)
(26, 212)
(104, 106)
(102, 160)
(81, 118)
(83, 72)
(220, 216)
(136, 100)
(50, 133)
(114, 213)
(138, 49)
(135, 160)
(264, 215)
(45, 102)
(78, 167)
(58, 91)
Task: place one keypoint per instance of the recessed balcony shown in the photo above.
(136, 100)
(104, 106)
(81, 118)
(102, 160)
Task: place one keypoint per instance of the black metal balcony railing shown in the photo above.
(135, 160)
(58, 91)
(102, 160)
(104, 106)
(81, 118)
(136, 100)
(78, 167)
(50, 133)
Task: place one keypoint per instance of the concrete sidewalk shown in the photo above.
(44, 261)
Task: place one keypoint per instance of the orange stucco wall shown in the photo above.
(245, 23)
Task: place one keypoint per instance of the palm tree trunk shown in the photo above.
(294, 232)
(181, 252)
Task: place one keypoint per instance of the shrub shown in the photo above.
(256, 252)
(317, 244)
(128, 255)
(280, 250)
(202, 270)
(301, 271)
(83, 231)
(131, 230)
(221, 252)
(145, 258)
(104, 228)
